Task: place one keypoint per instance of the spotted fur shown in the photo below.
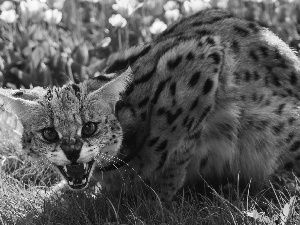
(221, 96)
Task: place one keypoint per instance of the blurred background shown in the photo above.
(50, 42)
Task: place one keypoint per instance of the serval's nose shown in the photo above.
(71, 148)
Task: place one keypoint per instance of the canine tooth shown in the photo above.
(84, 180)
(71, 183)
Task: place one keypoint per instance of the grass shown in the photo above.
(22, 201)
(20, 205)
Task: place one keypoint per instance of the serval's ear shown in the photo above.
(12, 101)
(111, 92)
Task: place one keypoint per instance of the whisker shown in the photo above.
(99, 163)
(109, 160)
(130, 167)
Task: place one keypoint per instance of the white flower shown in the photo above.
(126, 7)
(92, 1)
(171, 5)
(7, 5)
(117, 20)
(157, 27)
(172, 15)
(222, 4)
(32, 9)
(53, 16)
(195, 5)
(55, 4)
(9, 16)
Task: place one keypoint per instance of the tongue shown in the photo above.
(76, 170)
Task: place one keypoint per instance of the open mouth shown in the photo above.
(77, 175)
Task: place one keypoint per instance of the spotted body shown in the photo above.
(217, 94)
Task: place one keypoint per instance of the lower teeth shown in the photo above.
(82, 182)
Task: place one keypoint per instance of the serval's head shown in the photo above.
(73, 127)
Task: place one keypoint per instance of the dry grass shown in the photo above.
(23, 204)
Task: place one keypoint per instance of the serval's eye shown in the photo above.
(89, 129)
(50, 134)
